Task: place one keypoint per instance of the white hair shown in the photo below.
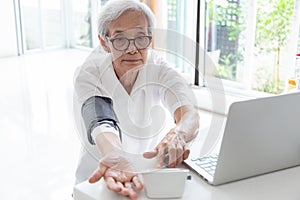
(114, 8)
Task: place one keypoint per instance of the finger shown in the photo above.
(137, 183)
(160, 157)
(98, 174)
(186, 154)
(179, 153)
(172, 155)
(150, 154)
(124, 191)
(113, 185)
(131, 193)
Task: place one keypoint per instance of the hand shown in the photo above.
(172, 147)
(118, 174)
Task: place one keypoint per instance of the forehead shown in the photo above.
(129, 22)
(130, 33)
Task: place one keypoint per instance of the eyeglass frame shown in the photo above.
(129, 40)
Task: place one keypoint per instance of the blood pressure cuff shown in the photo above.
(97, 110)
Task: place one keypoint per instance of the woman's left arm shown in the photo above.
(172, 150)
(187, 122)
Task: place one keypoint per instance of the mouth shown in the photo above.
(131, 60)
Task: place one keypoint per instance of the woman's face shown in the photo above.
(131, 24)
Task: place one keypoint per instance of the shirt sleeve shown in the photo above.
(87, 82)
(88, 86)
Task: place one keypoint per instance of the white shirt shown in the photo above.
(142, 114)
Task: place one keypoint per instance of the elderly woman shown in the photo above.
(121, 93)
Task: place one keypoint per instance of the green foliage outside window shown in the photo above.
(273, 28)
(227, 15)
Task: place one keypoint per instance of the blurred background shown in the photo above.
(250, 45)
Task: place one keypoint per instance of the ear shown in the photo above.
(104, 44)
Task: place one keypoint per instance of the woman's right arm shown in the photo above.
(101, 127)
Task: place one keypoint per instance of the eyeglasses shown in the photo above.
(122, 43)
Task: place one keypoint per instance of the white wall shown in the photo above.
(8, 42)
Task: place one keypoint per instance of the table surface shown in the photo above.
(279, 185)
(283, 184)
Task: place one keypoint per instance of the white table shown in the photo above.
(280, 185)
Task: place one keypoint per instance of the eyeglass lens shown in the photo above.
(123, 43)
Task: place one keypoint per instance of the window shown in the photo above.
(175, 35)
(51, 25)
(58, 23)
(239, 41)
(299, 41)
(31, 24)
(250, 45)
(84, 21)
(275, 41)
(82, 17)
(41, 24)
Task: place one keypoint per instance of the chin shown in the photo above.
(133, 66)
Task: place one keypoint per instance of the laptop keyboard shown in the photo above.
(207, 163)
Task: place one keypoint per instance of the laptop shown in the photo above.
(260, 136)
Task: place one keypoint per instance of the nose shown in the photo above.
(131, 48)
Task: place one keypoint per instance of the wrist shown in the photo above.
(113, 159)
(109, 144)
(185, 135)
